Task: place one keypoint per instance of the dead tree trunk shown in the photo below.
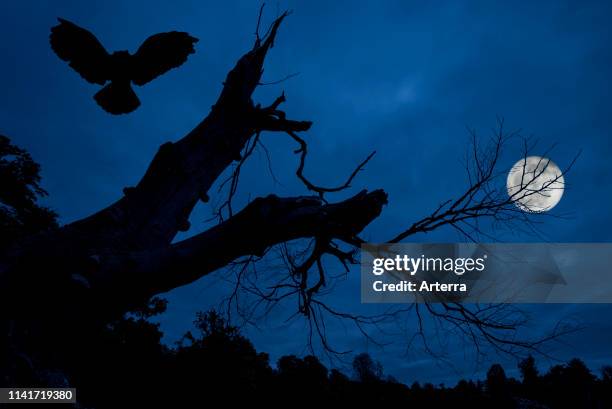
(122, 255)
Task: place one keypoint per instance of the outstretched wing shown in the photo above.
(81, 49)
(160, 53)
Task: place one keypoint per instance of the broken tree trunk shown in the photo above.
(122, 255)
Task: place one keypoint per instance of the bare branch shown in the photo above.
(485, 198)
(265, 222)
(320, 190)
(490, 327)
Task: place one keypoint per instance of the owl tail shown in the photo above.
(117, 98)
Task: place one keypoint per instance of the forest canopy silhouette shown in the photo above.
(78, 298)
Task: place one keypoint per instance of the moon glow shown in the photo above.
(535, 184)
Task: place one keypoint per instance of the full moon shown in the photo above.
(535, 184)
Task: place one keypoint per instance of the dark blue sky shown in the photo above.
(403, 78)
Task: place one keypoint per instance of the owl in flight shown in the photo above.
(84, 53)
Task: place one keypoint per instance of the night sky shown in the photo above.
(401, 78)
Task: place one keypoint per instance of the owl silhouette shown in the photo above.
(85, 54)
